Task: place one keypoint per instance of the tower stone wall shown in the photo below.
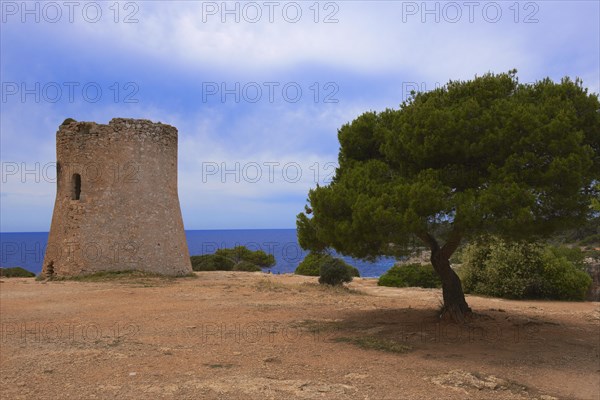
(117, 206)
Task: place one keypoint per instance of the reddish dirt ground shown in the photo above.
(236, 335)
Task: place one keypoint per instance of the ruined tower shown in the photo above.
(117, 206)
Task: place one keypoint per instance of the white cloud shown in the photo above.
(369, 37)
(370, 43)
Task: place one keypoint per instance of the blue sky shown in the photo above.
(169, 61)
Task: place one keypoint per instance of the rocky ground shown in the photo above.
(228, 335)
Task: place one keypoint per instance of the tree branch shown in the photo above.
(429, 241)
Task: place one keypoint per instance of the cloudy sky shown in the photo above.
(257, 90)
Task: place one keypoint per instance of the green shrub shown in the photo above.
(563, 280)
(211, 262)
(334, 271)
(592, 240)
(246, 266)
(15, 272)
(242, 253)
(410, 275)
(311, 265)
(572, 254)
(260, 258)
(457, 257)
(354, 272)
(520, 270)
(238, 258)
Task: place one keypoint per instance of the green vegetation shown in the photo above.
(15, 272)
(524, 270)
(311, 265)
(334, 272)
(410, 275)
(353, 271)
(591, 240)
(239, 258)
(593, 254)
(242, 253)
(573, 254)
(246, 266)
(211, 262)
(596, 201)
(68, 121)
(489, 155)
(586, 234)
(146, 279)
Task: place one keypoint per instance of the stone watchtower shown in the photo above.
(117, 206)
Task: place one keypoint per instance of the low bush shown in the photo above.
(334, 271)
(563, 280)
(523, 270)
(457, 257)
(242, 253)
(211, 262)
(592, 240)
(353, 271)
(246, 266)
(572, 254)
(411, 275)
(15, 272)
(311, 265)
(239, 258)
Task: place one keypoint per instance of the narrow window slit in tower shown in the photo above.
(76, 187)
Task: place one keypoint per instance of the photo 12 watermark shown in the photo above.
(110, 173)
(69, 92)
(54, 12)
(70, 332)
(215, 333)
(269, 92)
(288, 252)
(267, 172)
(253, 12)
(416, 333)
(453, 12)
(410, 88)
(436, 332)
(126, 253)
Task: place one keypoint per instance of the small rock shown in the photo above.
(132, 373)
(272, 360)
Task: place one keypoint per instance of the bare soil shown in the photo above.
(236, 335)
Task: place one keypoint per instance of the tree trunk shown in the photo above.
(455, 305)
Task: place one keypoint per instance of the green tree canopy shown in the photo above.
(489, 155)
(242, 253)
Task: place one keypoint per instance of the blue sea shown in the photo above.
(27, 249)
